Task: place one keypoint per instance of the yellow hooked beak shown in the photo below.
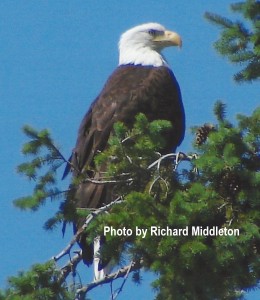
(168, 38)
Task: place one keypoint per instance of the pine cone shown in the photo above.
(202, 133)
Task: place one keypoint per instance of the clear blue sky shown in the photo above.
(55, 57)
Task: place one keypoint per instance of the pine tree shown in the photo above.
(220, 189)
(240, 40)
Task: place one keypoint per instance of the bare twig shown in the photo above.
(129, 159)
(119, 290)
(126, 139)
(98, 211)
(60, 154)
(158, 161)
(107, 181)
(178, 157)
(231, 221)
(223, 205)
(80, 294)
(155, 180)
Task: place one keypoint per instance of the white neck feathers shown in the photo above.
(140, 55)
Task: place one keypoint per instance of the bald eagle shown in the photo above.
(142, 83)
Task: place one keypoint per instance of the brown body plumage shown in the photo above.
(129, 91)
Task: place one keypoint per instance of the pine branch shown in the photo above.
(218, 20)
(220, 110)
(240, 43)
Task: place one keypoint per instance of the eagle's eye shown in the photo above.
(154, 32)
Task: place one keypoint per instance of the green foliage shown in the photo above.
(238, 42)
(220, 111)
(225, 193)
(45, 160)
(45, 156)
(39, 283)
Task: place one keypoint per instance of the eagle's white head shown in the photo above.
(142, 45)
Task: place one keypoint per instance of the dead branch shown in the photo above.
(107, 181)
(67, 249)
(178, 157)
(81, 293)
(119, 290)
(89, 218)
(70, 267)
(157, 179)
